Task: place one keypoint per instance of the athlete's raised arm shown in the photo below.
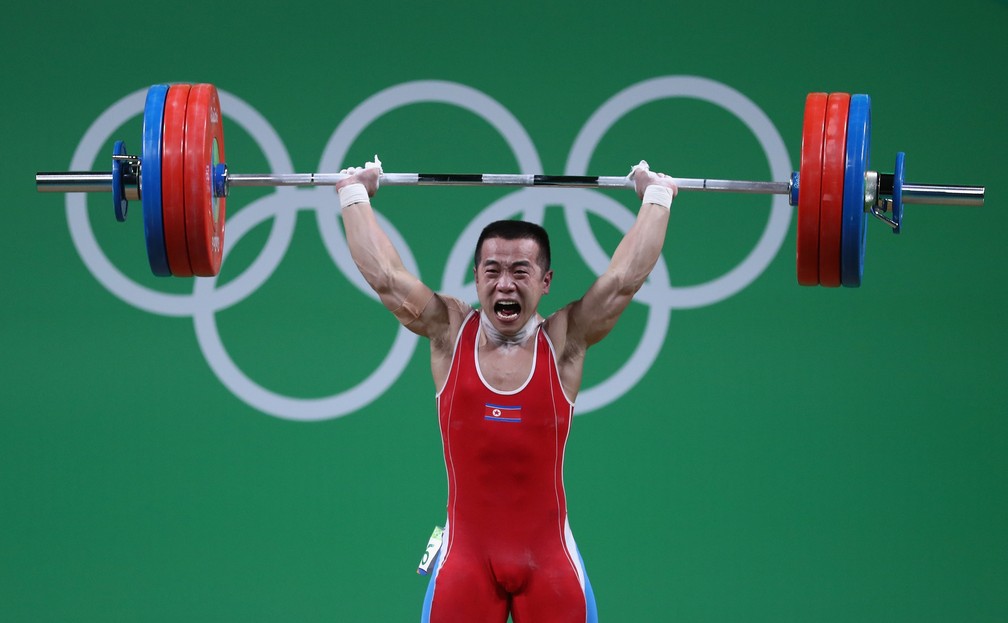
(412, 302)
(589, 319)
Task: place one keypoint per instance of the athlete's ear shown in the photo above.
(547, 279)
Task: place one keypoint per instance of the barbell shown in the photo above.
(182, 181)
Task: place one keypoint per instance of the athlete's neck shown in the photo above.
(499, 339)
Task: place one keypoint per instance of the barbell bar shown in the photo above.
(96, 182)
(182, 180)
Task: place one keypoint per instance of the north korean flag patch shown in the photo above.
(502, 413)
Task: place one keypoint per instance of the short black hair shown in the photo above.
(516, 230)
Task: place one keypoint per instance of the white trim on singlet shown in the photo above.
(445, 443)
(556, 370)
(479, 371)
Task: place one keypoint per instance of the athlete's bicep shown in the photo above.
(593, 316)
(416, 306)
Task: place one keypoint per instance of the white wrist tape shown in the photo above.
(660, 195)
(351, 194)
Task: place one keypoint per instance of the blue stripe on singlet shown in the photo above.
(590, 607)
(429, 597)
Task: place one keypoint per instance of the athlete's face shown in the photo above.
(510, 282)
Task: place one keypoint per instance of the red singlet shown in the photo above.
(508, 547)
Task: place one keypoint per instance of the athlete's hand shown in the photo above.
(369, 176)
(643, 176)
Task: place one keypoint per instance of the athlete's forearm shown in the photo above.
(638, 252)
(371, 249)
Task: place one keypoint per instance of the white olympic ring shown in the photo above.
(281, 205)
(755, 119)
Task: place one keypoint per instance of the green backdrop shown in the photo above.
(786, 454)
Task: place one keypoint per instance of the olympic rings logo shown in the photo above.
(208, 297)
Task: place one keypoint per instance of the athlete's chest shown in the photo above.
(505, 369)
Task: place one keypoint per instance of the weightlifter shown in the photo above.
(506, 380)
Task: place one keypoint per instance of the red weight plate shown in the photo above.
(831, 198)
(204, 148)
(809, 187)
(172, 186)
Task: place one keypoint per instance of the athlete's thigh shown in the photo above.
(463, 592)
(551, 596)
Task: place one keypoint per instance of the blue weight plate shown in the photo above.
(150, 179)
(119, 201)
(854, 231)
(897, 192)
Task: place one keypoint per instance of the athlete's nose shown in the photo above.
(505, 283)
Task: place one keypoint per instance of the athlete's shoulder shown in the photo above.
(456, 312)
(455, 306)
(557, 328)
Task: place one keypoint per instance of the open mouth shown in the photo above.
(507, 310)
